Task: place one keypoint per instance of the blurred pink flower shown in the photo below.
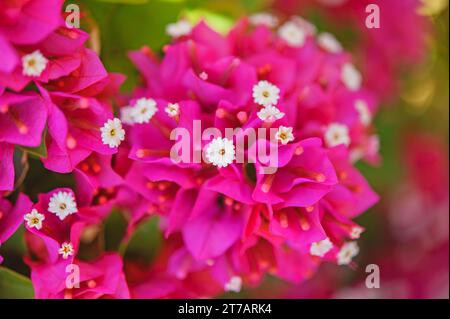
(384, 52)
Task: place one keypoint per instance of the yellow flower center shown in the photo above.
(31, 62)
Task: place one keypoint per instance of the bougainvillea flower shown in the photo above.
(231, 208)
(98, 185)
(11, 216)
(18, 126)
(61, 225)
(303, 177)
(212, 228)
(10, 58)
(222, 209)
(353, 195)
(101, 278)
(74, 124)
(6, 167)
(28, 22)
(57, 56)
(24, 23)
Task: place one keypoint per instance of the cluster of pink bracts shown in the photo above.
(225, 224)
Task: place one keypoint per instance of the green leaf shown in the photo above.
(218, 22)
(115, 227)
(14, 285)
(145, 241)
(129, 27)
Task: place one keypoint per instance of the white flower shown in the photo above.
(203, 75)
(356, 232)
(374, 144)
(270, 114)
(265, 93)
(356, 154)
(220, 152)
(143, 110)
(292, 34)
(34, 219)
(284, 134)
(112, 133)
(264, 18)
(321, 248)
(337, 134)
(234, 284)
(347, 252)
(179, 29)
(365, 117)
(307, 26)
(351, 77)
(66, 250)
(62, 204)
(371, 147)
(34, 64)
(172, 109)
(126, 115)
(328, 42)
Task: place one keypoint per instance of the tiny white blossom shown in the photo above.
(321, 248)
(66, 250)
(265, 93)
(112, 133)
(62, 204)
(179, 29)
(270, 114)
(203, 75)
(264, 18)
(307, 26)
(371, 147)
(126, 115)
(284, 134)
(351, 77)
(365, 117)
(292, 34)
(374, 144)
(337, 134)
(328, 42)
(220, 152)
(172, 109)
(34, 64)
(34, 219)
(347, 252)
(143, 110)
(356, 232)
(356, 154)
(234, 284)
